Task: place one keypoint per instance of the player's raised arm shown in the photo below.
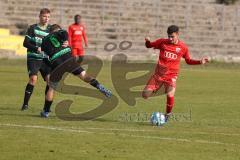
(147, 42)
(191, 61)
(155, 44)
(196, 62)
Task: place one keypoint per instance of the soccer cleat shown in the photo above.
(167, 116)
(105, 91)
(44, 114)
(24, 107)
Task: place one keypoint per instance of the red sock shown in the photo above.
(170, 103)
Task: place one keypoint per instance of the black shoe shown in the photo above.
(24, 107)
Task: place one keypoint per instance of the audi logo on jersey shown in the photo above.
(78, 32)
(170, 55)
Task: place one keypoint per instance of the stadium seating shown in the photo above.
(209, 28)
(11, 42)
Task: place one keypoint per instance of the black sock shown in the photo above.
(28, 93)
(46, 89)
(94, 83)
(47, 105)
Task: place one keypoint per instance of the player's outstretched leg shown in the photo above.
(101, 88)
(86, 78)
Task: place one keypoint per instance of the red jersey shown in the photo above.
(76, 34)
(170, 56)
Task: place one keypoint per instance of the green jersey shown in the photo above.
(33, 40)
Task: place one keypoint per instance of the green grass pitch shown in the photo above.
(206, 126)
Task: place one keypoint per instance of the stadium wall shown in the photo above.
(208, 28)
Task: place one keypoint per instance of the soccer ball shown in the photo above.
(158, 118)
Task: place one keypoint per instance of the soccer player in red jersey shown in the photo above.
(76, 33)
(166, 71)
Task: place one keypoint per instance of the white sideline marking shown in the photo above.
(224, 134)
(45, 127)
(120, 134)
(142, 130)
(112, 129)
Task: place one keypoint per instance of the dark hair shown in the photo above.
(173, 28)
(77, 15)
(54, 27)
(44, 11)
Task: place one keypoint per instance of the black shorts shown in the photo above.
(63, 64)
(34, 66)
